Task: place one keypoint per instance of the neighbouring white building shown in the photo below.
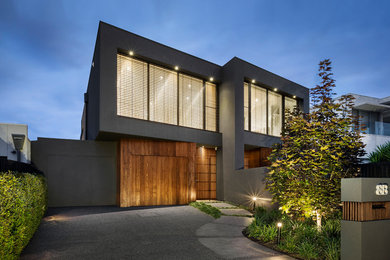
(374, 116)
(11, 137)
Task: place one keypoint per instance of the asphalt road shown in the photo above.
(114, 233)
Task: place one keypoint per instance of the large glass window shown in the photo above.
(265, 109)
(150, 92)
(132, 80)
(290, 104)
(246, 106)
(274, 113)
(211, 107)
(163, 95)
(190, 101)
(258, 109)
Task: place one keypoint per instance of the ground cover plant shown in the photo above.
(23, 202)
(299, 237)
(210, 210)
(317, 149)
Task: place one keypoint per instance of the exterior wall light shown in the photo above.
(176, 67)
(18, 140)
(294, 96)
(131, 53)
(211, 79)
(253, 81)
(275, 89)
(279, 225)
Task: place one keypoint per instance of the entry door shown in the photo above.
(206, 173)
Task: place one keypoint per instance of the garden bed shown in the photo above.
(299, 238)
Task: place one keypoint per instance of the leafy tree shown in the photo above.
(317, 150)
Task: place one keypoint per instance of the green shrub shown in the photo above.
(308, 250)
(212, 211)
(267, 217)
(381, 154)
(300, 237)
(332, 249)
(265, 233)
(331, 229)
(23, 200)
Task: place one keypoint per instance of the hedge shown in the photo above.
(23, 202)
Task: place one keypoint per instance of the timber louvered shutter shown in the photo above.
(163, 95)
(190, 102)
(211, 107)
(132, 88)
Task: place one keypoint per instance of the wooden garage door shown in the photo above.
(206, 173)
(155, 173)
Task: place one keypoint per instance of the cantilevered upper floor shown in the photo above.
(141, 88)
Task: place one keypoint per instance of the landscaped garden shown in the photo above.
(298, 237)
(317, 150)
(23, 202)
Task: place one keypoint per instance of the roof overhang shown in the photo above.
(372, 107)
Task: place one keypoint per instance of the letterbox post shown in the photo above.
(365, 225)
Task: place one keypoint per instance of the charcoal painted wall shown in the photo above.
(79, 173)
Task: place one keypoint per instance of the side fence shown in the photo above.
(8, 165)
(375, 170)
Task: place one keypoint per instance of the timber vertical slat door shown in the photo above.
(155, 173)
(206, 173)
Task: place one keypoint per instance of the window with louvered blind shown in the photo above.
(190, 101)
(290, 104)
(163, 95)
(258, 109)
(211, 107)
(150, 92)
(274, 113)
(246, 106)
(132, 87)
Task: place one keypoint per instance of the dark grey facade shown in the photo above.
(78, 173)
(101, 122)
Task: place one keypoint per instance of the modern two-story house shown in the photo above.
(177, 127)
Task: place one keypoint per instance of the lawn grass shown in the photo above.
(210, 210)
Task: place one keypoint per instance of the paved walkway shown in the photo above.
(224, 235)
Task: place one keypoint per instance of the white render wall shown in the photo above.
(7, 144)
(373, 141)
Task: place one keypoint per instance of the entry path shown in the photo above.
(224, 235)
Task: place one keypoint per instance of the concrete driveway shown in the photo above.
(115, 233)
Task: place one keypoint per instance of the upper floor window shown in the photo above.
(258, 110)
(150, 92)
(163, 95)
(132, 88)
(274, 113)
(290, 104)
(190, 101)
(263, 109)
(211, 107)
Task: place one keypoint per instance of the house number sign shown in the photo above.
(382, 189)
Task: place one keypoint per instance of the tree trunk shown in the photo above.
(318, 216)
